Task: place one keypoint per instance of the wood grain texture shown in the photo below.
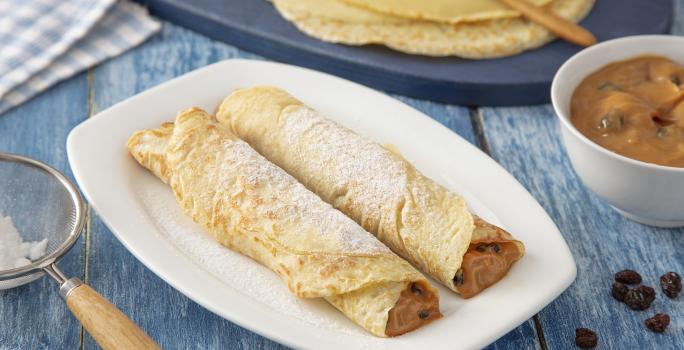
(558, 25)
(34, 316)
(524, 140)
(105, 323)
(170, 318)
(602, 241)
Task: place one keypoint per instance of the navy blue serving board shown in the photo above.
(524, 79)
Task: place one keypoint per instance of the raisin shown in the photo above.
(458, 278)
(613, 120)
(657, 323)
(416, 290)
(495, 247)
(663, 131)
(423, 315)
(628, 277)
(671, 284)
(640, 298)
(608, 86)
(585, 338)
(619, 291)
(491, 247)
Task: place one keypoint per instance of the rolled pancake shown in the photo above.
(339, 22)
(417, 218)
(253, 207)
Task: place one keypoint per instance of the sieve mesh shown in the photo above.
(19, 281)
(41, 207)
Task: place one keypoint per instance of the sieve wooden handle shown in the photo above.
(555, 24)
(109, 326)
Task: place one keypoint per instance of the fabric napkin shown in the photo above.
(45, 41)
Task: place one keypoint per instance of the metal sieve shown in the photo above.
(43, 203)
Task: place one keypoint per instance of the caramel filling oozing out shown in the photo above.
(485, 263)
(417, 306)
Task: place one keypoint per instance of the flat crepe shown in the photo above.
(338, 22)
(253, 207)
(450, 11)
(417, 218)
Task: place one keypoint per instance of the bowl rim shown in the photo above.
(565, 120)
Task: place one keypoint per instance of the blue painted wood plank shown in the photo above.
(169, 317)
(34, 316)
(175, 52)
(602, 241)
(527, 143)
(456, 118)
(175, 321)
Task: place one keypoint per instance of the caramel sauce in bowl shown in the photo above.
(644, 183)
(634, 108)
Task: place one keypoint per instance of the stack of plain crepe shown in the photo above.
(466, 28)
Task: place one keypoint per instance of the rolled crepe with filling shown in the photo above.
(417, 218)
(253, 207)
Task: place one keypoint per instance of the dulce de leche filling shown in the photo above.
(485, 263)
(417, 306)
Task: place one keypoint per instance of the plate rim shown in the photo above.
(74, 156)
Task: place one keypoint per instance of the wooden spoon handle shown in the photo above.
(556, 24)
(109, 326)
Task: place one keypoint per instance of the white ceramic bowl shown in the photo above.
(647, 193)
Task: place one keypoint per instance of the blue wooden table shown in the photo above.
(525, 140)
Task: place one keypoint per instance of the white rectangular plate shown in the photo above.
(143, 215)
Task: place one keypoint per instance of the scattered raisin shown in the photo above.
(671, 284)
(657, 323)
(458, 279)
(585, 338)
(416, 290)
(628, 277)
(481, 248)
(423, 315)
(619, 291)
(640, 298)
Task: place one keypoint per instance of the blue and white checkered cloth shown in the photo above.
(45, 41)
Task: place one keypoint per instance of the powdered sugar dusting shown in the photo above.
(360, 166)
(237, 271)
(291, 201)
(373, 185)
